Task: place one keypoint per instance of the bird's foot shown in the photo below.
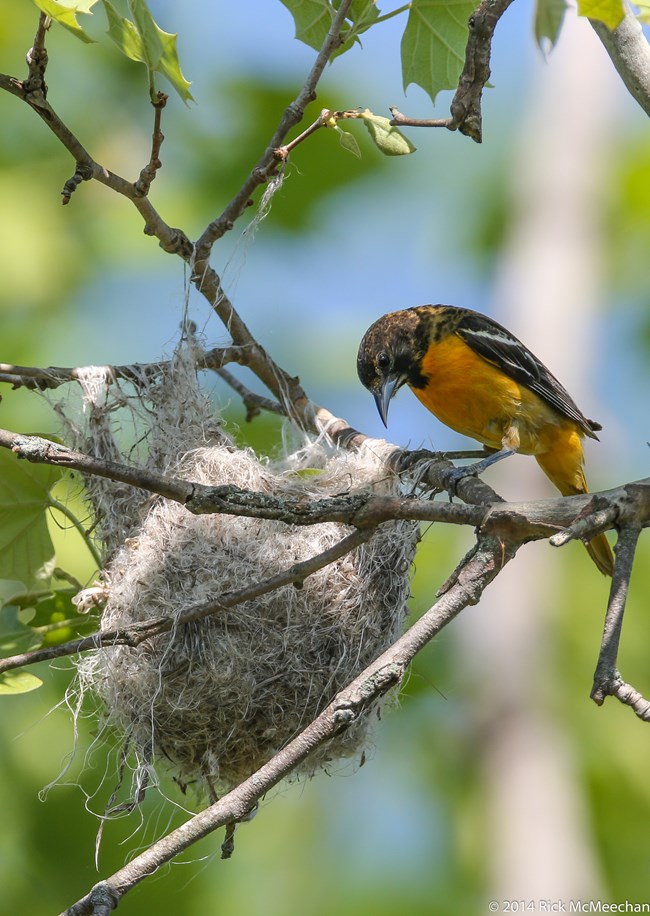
(452, 477)
(410, 459)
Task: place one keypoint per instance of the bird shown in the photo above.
(481, 381)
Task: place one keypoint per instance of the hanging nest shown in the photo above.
(217, 697)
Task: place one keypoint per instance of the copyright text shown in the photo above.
(567, 906)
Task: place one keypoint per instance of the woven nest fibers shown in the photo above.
(218, 697)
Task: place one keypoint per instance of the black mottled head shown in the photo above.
(390, 356)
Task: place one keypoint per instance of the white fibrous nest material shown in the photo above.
(217, 697)
(149, 420)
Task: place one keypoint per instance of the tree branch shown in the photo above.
(54, 376)
(171, 240)
(607, 680)
(629, 51)
(362, 510)
(379, 677)
(466, 103)
(518, 521)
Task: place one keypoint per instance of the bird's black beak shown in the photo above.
(384, 396)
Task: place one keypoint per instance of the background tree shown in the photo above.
(45, 272)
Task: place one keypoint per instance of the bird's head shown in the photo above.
(390, 356)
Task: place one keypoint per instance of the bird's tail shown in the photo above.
(601, 553)
(563, 467)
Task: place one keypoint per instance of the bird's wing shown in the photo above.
(497, 345)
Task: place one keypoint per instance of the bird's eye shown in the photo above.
(383, 360)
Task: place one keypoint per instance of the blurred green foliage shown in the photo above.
(407, 832)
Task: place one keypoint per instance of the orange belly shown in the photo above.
(475, 398)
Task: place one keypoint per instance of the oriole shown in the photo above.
(481, 381)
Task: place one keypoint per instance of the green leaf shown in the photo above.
(41, 618)
(148, 32)
(144, 41)
(433, 44)
(25, 543)
(363, 14)
(385, 135)
(610, 12)
(306, 473)
(9, 588)
(312, 19)
(124, 33)
(26, 615)
(170, 67)
(54, 617)
(549, 15)
(13, 682)
(15, 634)
(65, 13)
(348, 142)
(45, 605)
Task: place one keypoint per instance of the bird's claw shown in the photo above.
(453, 477)
(410, 459)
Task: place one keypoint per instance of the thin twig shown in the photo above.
(35, 86)
(282, 152)
(254, 403)
(402, 120)
(379, 677)
(150, 170)
(327, 118)
(174, 241)
(592, 520)
(606, 677)
(43, 379)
